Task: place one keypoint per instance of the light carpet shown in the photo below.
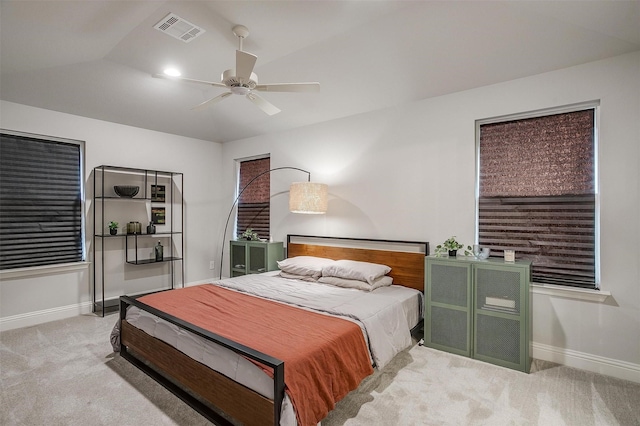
(64, 373)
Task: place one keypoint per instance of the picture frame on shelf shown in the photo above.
(158, 215)
(158, 193)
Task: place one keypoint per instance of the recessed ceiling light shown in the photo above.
(172, 72)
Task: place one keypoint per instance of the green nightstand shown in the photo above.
(254, 257)
(479, 309)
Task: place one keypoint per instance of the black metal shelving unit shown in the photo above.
(104, 178)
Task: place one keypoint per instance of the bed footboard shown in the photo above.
(212, 394)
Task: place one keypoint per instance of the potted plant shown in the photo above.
(250, 235)
(451, 246)
(113, 228)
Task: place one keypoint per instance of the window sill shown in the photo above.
(43, 270)
(597, 296)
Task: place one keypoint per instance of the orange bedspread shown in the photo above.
(324, 357)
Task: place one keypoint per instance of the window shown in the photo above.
(537, 193)
(40, 201)
(254, 201)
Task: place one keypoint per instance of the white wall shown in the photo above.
(29, 300)
(409, 173)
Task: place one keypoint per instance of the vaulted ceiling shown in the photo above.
(96, 58)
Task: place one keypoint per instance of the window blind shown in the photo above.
(40, 202)
(537, 194)
(254, 203)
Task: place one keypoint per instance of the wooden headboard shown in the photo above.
(405, 258)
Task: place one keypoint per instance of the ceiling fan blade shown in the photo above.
(263, 104)
(189, 80)
(289, 87)
(244, 65)
(211, 101)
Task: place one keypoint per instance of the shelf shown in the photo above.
(108, 305)
(161, 196)
(135, 171)
(113, 197)
(148, 261)
(160, 234)
(151, 235)
(508, 311)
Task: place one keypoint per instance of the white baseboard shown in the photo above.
(46, 315)
(192, 283)
(589, 362)
(53, 314)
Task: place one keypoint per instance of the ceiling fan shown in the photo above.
(243, 81)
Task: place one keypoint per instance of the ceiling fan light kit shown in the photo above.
(240, 90)
(243, 81)
(230, 79)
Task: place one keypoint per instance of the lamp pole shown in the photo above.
(224, 234)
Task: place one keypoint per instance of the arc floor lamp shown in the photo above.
(304, 197)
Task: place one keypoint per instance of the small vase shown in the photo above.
(151, 228)
(113, 231)
(158, 252)
(453, 253)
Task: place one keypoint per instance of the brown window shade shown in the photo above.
(551, 155)
(254, 216)
(537, 194)
(254, 202)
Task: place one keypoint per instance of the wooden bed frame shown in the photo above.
(220, 399)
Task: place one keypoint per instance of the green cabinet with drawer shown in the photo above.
(479, 309)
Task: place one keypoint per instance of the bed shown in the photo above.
(224, 379)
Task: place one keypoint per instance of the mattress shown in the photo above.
(385, 315)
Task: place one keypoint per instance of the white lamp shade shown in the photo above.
(308, 198)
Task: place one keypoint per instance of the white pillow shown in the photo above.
(304, 265)
(298, 277)
(383, 281)
(354, 270)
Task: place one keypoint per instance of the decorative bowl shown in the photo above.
(127, 191)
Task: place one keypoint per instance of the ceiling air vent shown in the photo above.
(177, 27)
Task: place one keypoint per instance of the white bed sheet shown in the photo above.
(385, 330)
